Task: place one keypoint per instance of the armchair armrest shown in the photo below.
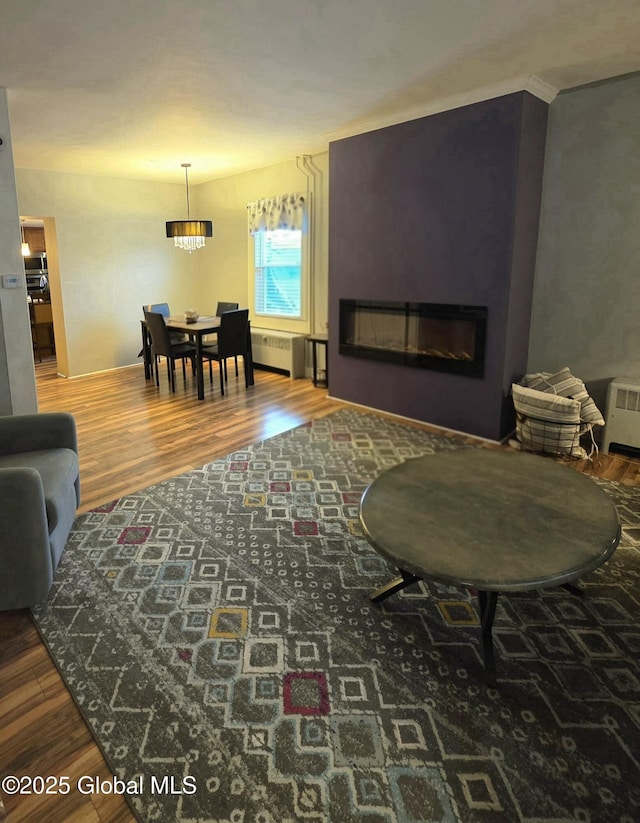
(26, 566)
(33, 432)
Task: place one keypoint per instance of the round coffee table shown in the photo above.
(492, 520)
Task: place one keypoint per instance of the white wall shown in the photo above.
(17, 378)
(224, 265)
(109, 254)
(106, 238)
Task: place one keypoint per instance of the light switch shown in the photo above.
(11, 281)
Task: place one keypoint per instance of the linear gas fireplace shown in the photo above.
(424, 335)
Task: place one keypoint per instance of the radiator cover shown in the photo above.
(622, 418)
(280, 350)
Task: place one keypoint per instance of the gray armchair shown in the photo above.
(39, 495)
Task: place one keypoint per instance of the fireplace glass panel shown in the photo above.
(447, 338)
(424, 335)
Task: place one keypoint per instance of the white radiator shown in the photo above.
(622, 418)
(280, 350)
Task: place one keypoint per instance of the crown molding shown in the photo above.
(540, 88)
(534, 85)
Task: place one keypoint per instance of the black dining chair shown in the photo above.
(162, 346)
(163, 309)
(233, 336)
(221, 308)
(224, 307)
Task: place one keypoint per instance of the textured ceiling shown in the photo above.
(133, 89)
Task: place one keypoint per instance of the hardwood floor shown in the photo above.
(132, 435)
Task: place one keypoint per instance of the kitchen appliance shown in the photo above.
(37, 283)
(37, 273)
(35, 264)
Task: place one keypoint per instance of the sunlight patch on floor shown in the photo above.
(277, 422)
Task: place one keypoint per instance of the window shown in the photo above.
(278, 273)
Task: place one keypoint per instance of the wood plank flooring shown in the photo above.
(131, 435)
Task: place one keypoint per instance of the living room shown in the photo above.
(109, 256)
(577, 308)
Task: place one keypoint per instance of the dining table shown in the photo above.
(197, 331)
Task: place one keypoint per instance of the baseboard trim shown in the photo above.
(402, 417)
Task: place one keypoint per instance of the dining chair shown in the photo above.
(160, 308)
(163, 309)
(221, 308)
(232, 342)
(162, 346)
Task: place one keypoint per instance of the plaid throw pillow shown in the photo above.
(547, 422)
(564, 384)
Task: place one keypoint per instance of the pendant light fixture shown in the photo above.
(189, 234)
(26, 251)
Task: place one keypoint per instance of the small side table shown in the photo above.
(319, 340)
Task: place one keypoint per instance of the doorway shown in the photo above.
(40, 256)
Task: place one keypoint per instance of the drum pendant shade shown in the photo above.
(189, 234)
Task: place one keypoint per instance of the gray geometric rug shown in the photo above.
(216, 632)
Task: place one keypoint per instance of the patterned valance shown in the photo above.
(284, 211)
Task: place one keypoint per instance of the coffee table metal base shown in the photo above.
(487, 602)
(393, 586)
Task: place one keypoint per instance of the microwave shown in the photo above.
(35, 264)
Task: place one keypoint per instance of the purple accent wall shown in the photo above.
(443, 209)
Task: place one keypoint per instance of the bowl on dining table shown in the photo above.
(191, 316)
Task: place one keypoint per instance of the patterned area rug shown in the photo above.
(216, 632)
